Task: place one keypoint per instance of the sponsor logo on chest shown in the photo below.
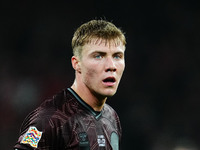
(101, 140)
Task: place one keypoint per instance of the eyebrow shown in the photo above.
(104, 53)
(99, 52)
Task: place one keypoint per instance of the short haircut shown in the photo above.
(96, 29)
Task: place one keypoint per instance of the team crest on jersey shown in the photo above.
(32, 137)
(101, 141)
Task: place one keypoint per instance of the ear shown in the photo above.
(76, 64)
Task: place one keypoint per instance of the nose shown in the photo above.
(110, 65)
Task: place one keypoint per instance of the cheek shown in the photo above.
(121, 67)
(89, 74)
(91, 68)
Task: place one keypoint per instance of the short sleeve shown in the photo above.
(38, 132)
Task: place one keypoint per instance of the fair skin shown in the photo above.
(98, 71)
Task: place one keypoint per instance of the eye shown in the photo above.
(98, 56)
(118, 56)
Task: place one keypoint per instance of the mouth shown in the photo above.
(109, 81)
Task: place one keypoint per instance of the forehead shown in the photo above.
(103, 45)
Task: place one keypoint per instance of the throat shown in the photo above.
(94, 100)
(97, 104)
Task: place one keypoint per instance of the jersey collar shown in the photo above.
(84, 104)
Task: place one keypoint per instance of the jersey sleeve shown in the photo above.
(38, 132)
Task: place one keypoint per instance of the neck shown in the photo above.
(95, 101)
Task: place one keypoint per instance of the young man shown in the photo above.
(78, 117)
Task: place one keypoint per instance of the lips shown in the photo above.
(109, 81)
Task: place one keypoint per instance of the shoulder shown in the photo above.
(109, 112)
(48, 120)
(108, 108)
(51, 111)
(57, 100)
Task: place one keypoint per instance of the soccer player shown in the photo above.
(78, 117)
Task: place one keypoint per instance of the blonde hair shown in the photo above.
(96, 29)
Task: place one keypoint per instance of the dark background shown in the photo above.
(159, 96)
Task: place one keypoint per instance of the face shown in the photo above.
(101, 67)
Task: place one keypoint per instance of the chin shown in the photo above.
(110, 93)
(103, 93)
